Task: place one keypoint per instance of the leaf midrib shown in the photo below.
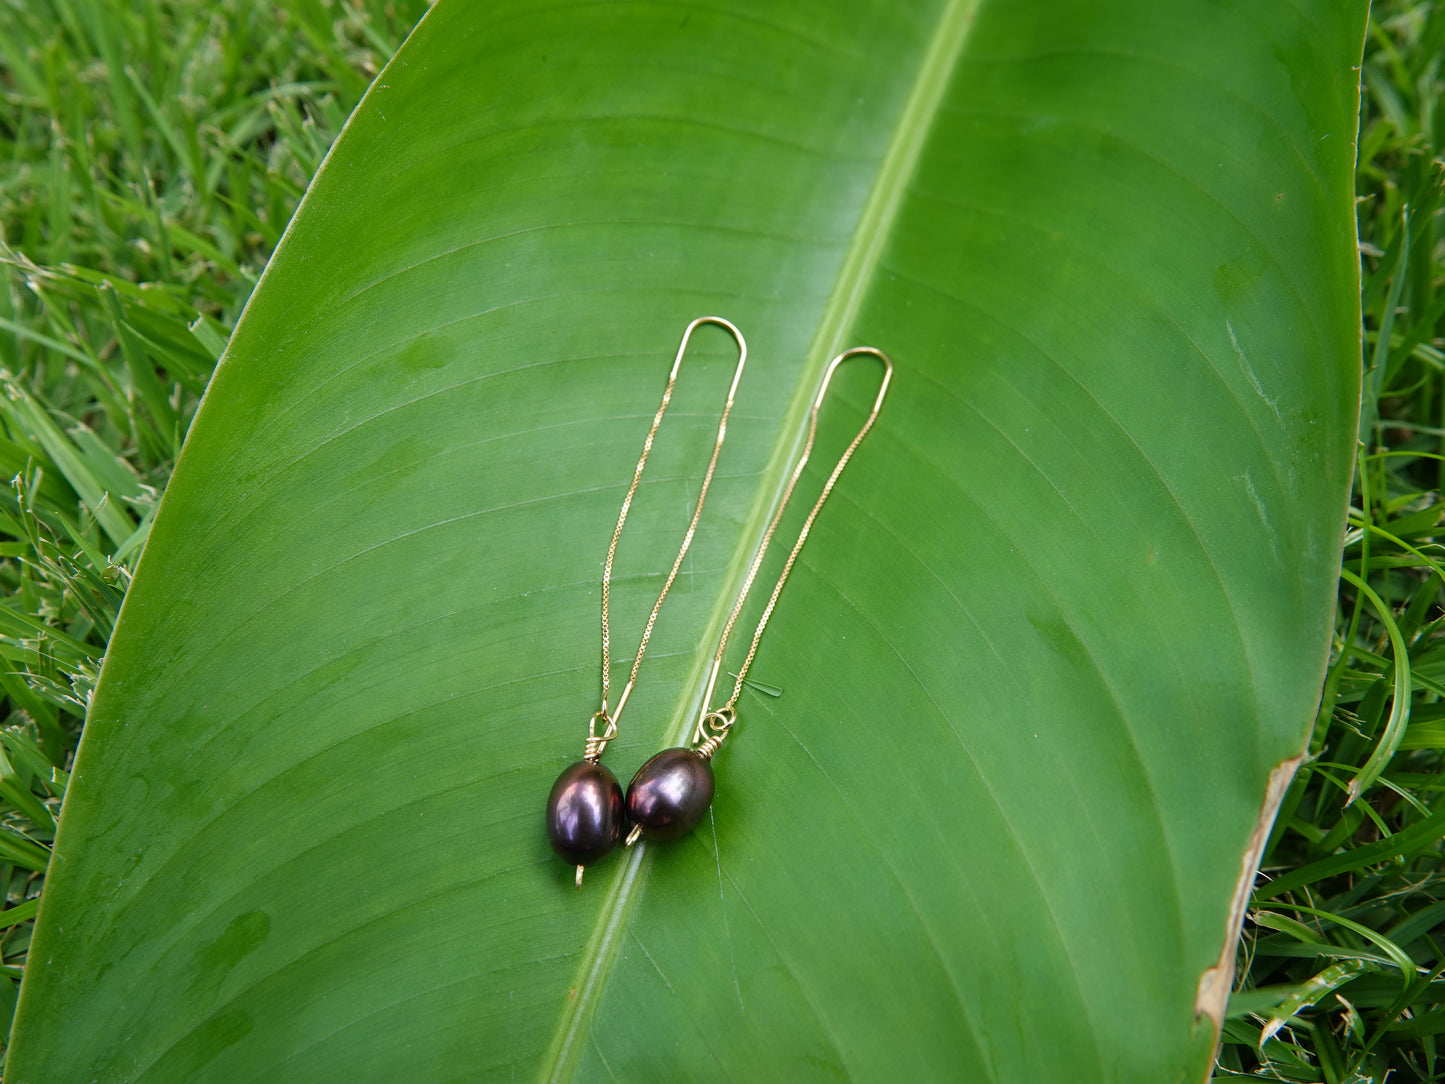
(855, 275)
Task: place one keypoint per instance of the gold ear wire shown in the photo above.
(713, 724)
(597, 743)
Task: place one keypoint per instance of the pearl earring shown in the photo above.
(671, 792)
(585, 817)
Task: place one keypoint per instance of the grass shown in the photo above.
(150, 156)
(153, 154)
(1343, 961)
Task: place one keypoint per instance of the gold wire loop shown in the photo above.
(596, 744)
(719, 722)
(728, 711)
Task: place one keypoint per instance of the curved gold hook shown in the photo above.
(737, 335)
(872, 351)
(596, 744)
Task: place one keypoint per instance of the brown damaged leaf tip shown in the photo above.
(1212, 995)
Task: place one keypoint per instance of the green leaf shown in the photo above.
(1392, 952)
(1046, 659)
(19, 913)
(1399, 696)
(1308, 994)
(1408, 842)
(97, 478)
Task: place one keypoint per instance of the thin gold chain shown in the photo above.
(597, 742)
(718, 720)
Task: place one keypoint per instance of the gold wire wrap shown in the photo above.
(597, 743)
(719, 722)
(725, 716)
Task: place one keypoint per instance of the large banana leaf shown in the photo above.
(1066, 613)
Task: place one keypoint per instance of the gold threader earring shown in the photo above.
(586, 812)
(670, 793)
(585, 819)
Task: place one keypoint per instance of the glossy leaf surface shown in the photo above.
(1066, 611)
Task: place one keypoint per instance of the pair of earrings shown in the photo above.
(587, 813)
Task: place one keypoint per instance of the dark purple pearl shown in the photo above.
(670, 793)
(584, 813)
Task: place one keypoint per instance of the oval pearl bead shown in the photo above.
(670, 793)
(584, 813)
